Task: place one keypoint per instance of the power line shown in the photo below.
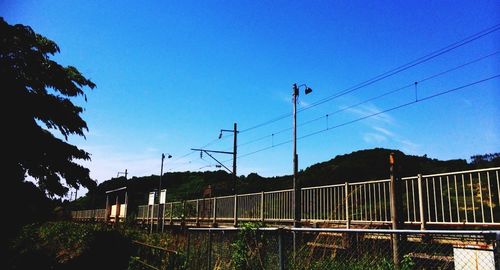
(377, 78)
(190, 153)
(409, 65)
(374, 98)
(374, 114)
(389, 73)
(340, 110)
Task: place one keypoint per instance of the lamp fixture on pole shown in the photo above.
(159, 190)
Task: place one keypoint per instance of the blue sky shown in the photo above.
(170, 75)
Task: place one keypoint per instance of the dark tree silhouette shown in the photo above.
(36, 94)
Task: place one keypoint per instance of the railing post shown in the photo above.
(347, 214)
(421, 203)
(235, 214)
(198, 212)
(151, 216)
(126, 205)
(106, 214)
(171, 213)
(262, 206)
(214, 223)
(183, 215)
(117, 211)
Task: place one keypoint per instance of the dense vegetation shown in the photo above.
(66, 245)
(69, 245)
(356, 166)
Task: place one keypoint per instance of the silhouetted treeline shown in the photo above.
(356, 166)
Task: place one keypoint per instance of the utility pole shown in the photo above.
(233, 171)
(235, 176)
(396, 206)
(161, 171)
(235, 146)
(124, 173)
(296, 182)
(159, 191)
(296, 185)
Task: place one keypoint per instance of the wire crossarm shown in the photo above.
(214, 151)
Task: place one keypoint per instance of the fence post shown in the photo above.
(151, 217)
(280, 250)
(188, 245)
(421, 203)
(347, 214)
(171, 213)
(183, 215)
(262, 206)
(209, 266)
(198, 212)
(396, 204)
(235, 210)
(214, 222)
(106, 214)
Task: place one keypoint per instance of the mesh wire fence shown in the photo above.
(341, 249)
(147, 256)
(232, 249)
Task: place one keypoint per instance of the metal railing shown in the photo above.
(89, 215)
(469, 198)
(456, 198)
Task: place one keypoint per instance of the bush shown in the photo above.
(66, 245)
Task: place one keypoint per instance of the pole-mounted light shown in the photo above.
(159, 190)
(296, 183)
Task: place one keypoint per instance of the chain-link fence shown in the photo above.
(148, 256)
(325, 248)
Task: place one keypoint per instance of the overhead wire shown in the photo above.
(177, 165)
(363, 84)
(374, 98)
(374, 114)
(387, 74)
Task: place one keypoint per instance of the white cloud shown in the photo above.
(370, 109)
(384, 131)
(374, 138)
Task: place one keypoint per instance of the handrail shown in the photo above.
(465, 198)
(460, 172)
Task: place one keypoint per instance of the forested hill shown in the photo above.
(356, 166)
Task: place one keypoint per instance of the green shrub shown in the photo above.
(66, 245)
